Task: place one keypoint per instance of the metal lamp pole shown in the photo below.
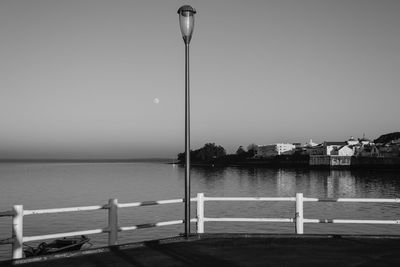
(186, 22)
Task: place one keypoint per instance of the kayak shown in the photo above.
(57, 246)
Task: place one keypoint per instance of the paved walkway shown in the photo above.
(240, 250)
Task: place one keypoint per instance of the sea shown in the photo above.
(60, 185)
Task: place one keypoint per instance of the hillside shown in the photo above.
(386, 138)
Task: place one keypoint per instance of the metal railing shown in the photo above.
(113, 228)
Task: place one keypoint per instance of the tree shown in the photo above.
(182, 156)
(207, 153)
(210, 151)
(240, 151)
(252, 150)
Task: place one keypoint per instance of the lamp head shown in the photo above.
(186, 22)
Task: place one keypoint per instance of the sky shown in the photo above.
(105, 79)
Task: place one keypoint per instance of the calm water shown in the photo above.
(52, 185)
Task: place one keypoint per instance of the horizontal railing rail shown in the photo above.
(248, 220)
(18, 213)
(150, 203)
(6, 213)
(352, 221)
(60, 210)
(357, 200)
(60, 235)
(249, 199)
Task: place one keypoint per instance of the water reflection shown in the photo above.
(210, 177)
(287, 182)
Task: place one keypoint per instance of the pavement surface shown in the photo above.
(236, 250)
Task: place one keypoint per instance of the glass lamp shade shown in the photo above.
(186, 22)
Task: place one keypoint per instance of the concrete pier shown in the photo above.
(236, 250)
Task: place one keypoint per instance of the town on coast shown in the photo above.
(352, 153)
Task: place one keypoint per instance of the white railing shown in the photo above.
(298, 219)
(113, 228)
(18, 214)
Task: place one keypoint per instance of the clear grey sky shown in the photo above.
(79, 78)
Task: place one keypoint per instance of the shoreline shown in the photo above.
(291, 165)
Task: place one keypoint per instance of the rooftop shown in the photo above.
(335, 143)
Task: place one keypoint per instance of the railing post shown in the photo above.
(17, 231)
(113, 222)
(299, 214)
(200, 213)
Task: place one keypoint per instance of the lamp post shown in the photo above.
(186, 22)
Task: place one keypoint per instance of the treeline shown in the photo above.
(211, 153)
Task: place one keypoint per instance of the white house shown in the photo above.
(330, 146)
(343, 151)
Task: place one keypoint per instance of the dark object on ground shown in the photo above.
(57, 246)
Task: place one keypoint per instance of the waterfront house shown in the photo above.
(391, 149)
(343, 151)
(311, 148)
(330, 160)
(330, 146)
(331, 154)
(316, 150)
(369, 150)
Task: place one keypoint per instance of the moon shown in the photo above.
(156, 100)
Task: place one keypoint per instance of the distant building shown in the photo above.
(332, 154)
(331, 161)
(311, 143)
(316, 150)
(343, 151)
(369, 150)
(352, 141)
(297, 145)
(330, 146)
(364, 141)
(308, 148)
(389, 150)
(396, 141)
(265, 151)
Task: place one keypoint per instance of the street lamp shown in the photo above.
(186, 22)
